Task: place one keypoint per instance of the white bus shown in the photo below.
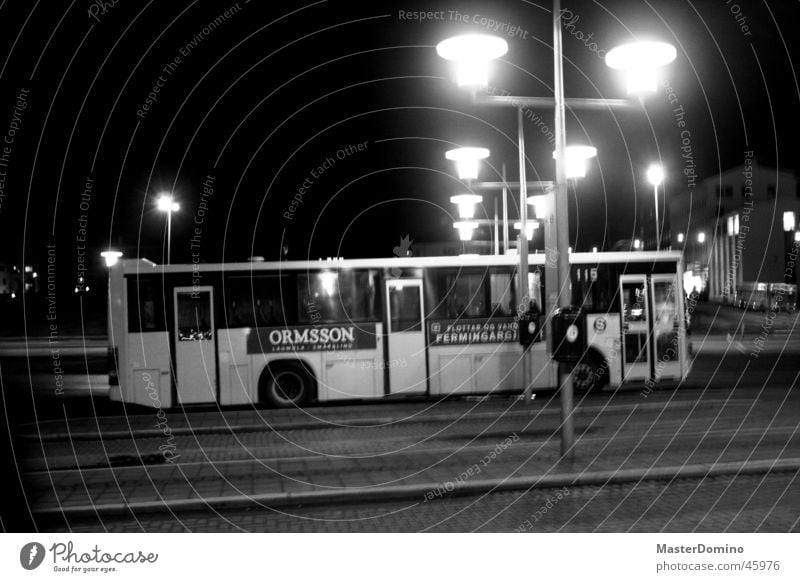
(288, 333)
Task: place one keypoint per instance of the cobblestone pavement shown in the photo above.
(752, 503)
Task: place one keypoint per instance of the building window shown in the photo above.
(789, 221)
(771, 190)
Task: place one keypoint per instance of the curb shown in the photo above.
(418, 491)
(338, 423)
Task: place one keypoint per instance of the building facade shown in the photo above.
(740, 232)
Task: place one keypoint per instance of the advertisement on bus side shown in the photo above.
(312, 338)
(454, 332)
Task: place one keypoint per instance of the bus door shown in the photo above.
(670, 342)
(406, 337)
(635, 327)
(195, 346)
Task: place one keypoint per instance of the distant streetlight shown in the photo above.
(576, 159)
(165, 203)
(796, 236)
(467, 161)
(637, 243)
(680, 237)
(655, 175)
(701, 237)
(641, 61)
(465, 229)
(466, 204)
(472, 54)
(111, 257)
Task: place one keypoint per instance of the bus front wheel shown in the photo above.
(286, 386)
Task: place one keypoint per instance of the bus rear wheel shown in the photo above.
(286, 386)
(588, 375)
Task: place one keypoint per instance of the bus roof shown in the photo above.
(144, 266)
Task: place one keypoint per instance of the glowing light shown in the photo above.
(472, 54)
(594, 249)
(797, 236)
(540, 205)
(165, 203)
(641, 61)
(789, 221)
(655, 174)
(466, 204)
(701, 237)
(467, 161)
(530, 226)
(637, 243)
(111, 257)
(328, 280)
(465, 229)
(576, 159)
(680, 237)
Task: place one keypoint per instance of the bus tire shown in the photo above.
(286, 385)
(590, 374)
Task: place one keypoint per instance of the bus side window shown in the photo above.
(145, 306)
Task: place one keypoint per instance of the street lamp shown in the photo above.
(473, 57)
(529, 228)
(465, 229)
(655, 175)
(576, 159)
(641, 61)
(467, 161)
(472, 54)
(466, 204)
(165, 203)
(111, 257)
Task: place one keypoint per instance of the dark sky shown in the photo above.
(265, 96)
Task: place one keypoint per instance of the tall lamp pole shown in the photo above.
(655, 175)
(165, 203)
(472, 54)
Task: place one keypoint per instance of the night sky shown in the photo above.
(255, 99)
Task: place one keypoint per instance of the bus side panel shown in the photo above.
(148, 373)
(603, 333)
(355, 373)
(236, 384)
(485, 368)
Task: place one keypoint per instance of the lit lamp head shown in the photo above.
(539, 204)
(165, 203)
(531, 225)
(655, 174)
(576, 159)
(641, 61)
(701, 237)
(472, 53)
(466, 204)
(465, 229)
(467, 160)
(111, 257)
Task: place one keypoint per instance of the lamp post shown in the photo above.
(655, 175)
(472, 53)
(165, 203)
(111, 258)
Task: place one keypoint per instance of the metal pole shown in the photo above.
(658, 233)
(496, 229)
(523, 249)
(169, 235)
(505, 211)
(562, 229)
